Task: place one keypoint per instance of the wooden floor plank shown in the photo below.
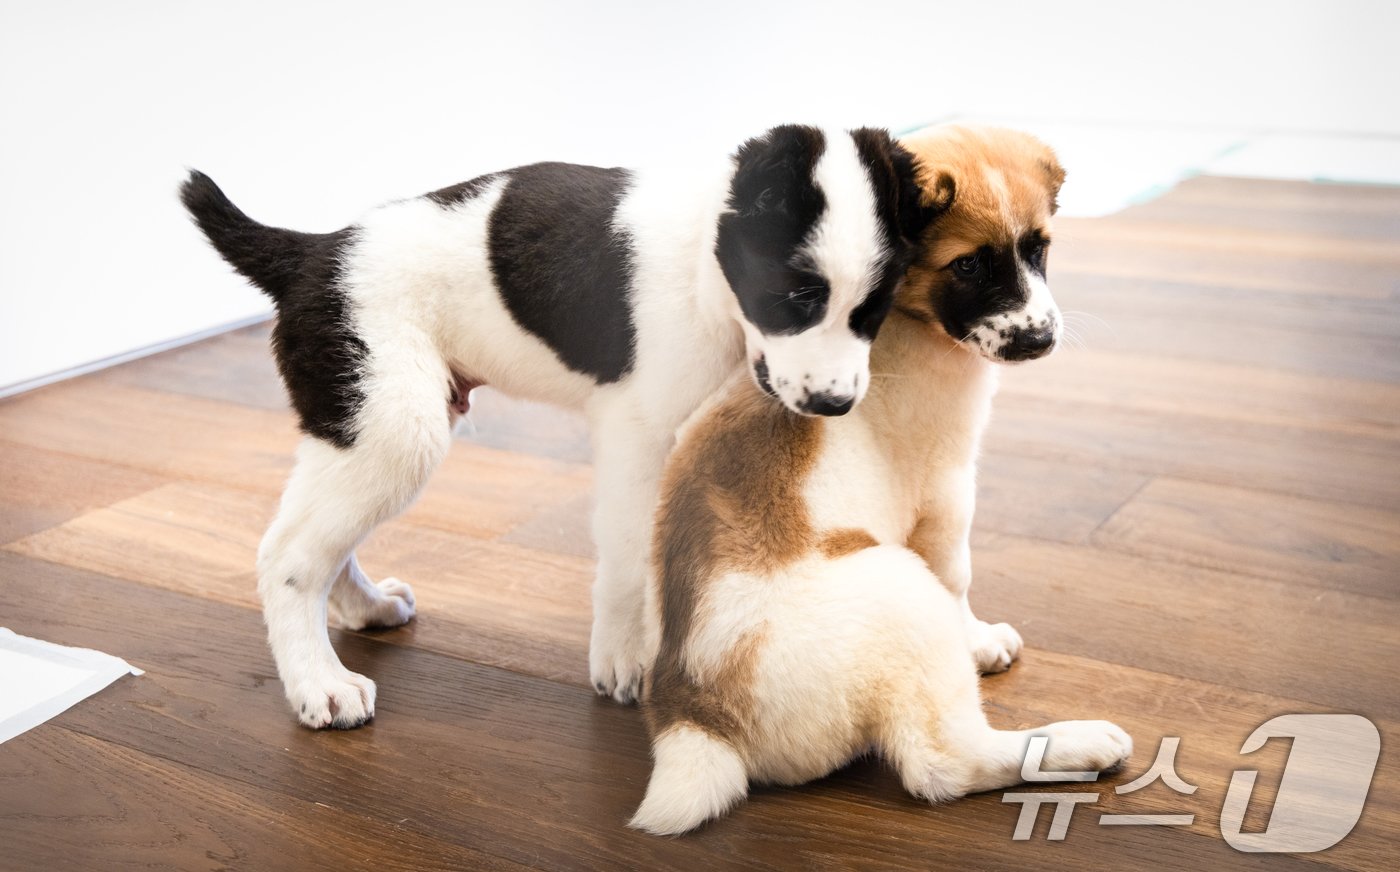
(1329, 647)
(565, 529)
(1332, 222)
(1296, 460)
(1274, 195)
(235, 367)
(1375, 245)
(492, 602)
(170, 435)
(478, 490)
(42, 489)
(467, 737)
(499, 421)
(1311, 334)
(1226, 257)
(1322, 545)
(1090, 379)
(114, 808)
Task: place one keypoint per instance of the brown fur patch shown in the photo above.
(731, 501)
(721, 706)
(848, 540)
(998, 175)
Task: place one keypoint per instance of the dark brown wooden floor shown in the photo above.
(1194, 520)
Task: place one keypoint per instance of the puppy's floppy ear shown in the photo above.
(772, 172)
(1035, 152)
(1031, 155)
(1054, 177)
(933, 194)
(895, 173)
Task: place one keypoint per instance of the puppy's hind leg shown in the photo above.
(937, 736)
(960, 753)
(334, 498)
(357, 603)
(997, 756)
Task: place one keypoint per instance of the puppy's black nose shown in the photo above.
(827, 404)
(1028, 344)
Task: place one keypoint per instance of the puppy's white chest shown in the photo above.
(856, 485)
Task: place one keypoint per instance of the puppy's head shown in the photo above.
(819, 228)
(981, 271)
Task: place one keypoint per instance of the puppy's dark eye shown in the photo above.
(803, 301)
(968, 266)
(1034, 247)
(807, 301)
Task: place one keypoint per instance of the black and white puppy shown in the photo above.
(629, 295)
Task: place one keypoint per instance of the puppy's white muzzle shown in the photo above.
(1026, 333)
(815, 374)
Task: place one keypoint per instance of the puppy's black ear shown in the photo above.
(927, 194)
(896, 175)
(936, 192)
(773, 172)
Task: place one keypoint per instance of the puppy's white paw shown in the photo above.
(1085, 746)
(617, 661)
(994, 646)
(392, 605)
(341, 699)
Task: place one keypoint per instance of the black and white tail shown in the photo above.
(270, 257)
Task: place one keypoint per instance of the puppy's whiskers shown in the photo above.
(956, 345)
(1081, 319)
(1072, 336)
(1086, 314)
(804, 296)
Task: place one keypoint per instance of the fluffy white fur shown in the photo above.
(878, 648)
(871, 649)
(422, 299)
(697, 777)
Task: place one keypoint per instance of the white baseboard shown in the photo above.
(94, 366)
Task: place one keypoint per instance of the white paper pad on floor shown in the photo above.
(39, 680)
(1314, 158)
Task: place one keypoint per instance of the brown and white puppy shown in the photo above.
(813, 572)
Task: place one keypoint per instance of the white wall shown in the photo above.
(308, 112)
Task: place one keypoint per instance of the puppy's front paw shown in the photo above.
(393, 606)
(1095, 746)
(617, 661)
(994, 646)
(342, 700)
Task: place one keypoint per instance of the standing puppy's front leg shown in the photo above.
(941, 538)
(629, 453)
